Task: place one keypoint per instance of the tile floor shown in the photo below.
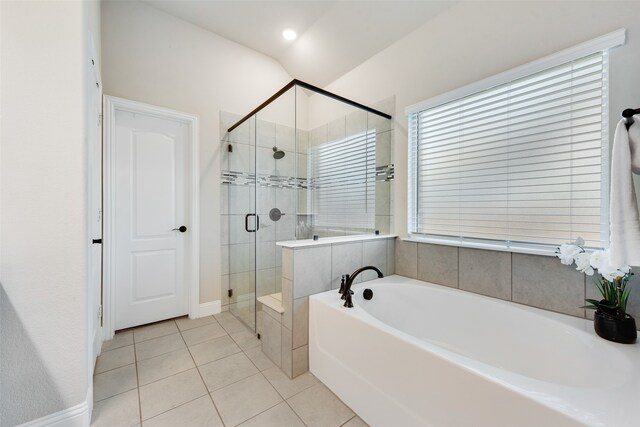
(205, 372)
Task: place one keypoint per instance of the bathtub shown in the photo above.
(419, 354)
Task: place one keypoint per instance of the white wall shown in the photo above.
(43, 203)
(474, 40)
(152, 57)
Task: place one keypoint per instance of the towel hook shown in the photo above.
(628, 116)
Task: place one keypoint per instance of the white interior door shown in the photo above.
(94, 151)
(150, 202)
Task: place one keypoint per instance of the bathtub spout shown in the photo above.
(347, 292)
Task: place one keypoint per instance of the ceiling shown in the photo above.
(333, 36)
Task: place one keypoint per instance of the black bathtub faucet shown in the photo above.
(347, 281)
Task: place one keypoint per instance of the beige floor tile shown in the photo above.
(227, 371)
(223, 315)
(214, 349)
(279, 416)
(184, 323)
(197, 413)
(158, 346)
(289, 387)
(245, 339)
(318, 406)
(120, 339)
(230, 323)
(203, 333)
(155, 330)
(355, 422)
(259, 359)
(165, 365)
(117, 358)
(169, 393)
(243, 400)
(121, 410)
(114, 382)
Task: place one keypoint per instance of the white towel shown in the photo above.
(625, 225)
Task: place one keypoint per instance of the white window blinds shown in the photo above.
(524, 161)
(343, 182)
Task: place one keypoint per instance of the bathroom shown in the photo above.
(467, 151)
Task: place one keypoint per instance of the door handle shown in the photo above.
(181, 229)
(246, 223)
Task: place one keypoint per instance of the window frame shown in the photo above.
(600, 44)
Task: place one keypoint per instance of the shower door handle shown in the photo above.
(246, 223)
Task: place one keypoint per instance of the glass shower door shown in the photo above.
(263, 202)
(243, 222)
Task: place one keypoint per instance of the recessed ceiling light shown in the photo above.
(289, 34)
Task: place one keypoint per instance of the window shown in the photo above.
(343, 182)
(520, 162)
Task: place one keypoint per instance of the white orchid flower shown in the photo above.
(568, 253)
(609, 273)
(583, 263)
(599, 259)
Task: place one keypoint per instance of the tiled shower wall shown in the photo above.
(534, 280)
(238, 196)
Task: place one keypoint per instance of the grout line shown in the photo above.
(117, 394)
(201, 378)
(511, 278)
(115, 348)
(294, 411)
(153, 338)
(196, 327)
(138, 380)
(175, 407)
(260, 413)
(117, 367)
(161, 354)
(349, 420)
(169, 376)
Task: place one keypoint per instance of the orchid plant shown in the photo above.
(613, 282)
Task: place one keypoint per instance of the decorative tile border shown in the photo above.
(244, 178)
(383, 173)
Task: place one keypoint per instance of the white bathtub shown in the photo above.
(425, 355)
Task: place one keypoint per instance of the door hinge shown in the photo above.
(230, 293)
(100, 119)
(100, 311)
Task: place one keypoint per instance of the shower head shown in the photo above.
(277, 154)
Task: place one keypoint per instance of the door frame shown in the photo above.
(113, 104)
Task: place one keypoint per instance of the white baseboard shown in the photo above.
(76, 416)
(209, 308)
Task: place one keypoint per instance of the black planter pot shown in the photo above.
(615, 328)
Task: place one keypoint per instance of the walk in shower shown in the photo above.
(305, 163)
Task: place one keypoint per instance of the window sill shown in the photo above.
(520, 249)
